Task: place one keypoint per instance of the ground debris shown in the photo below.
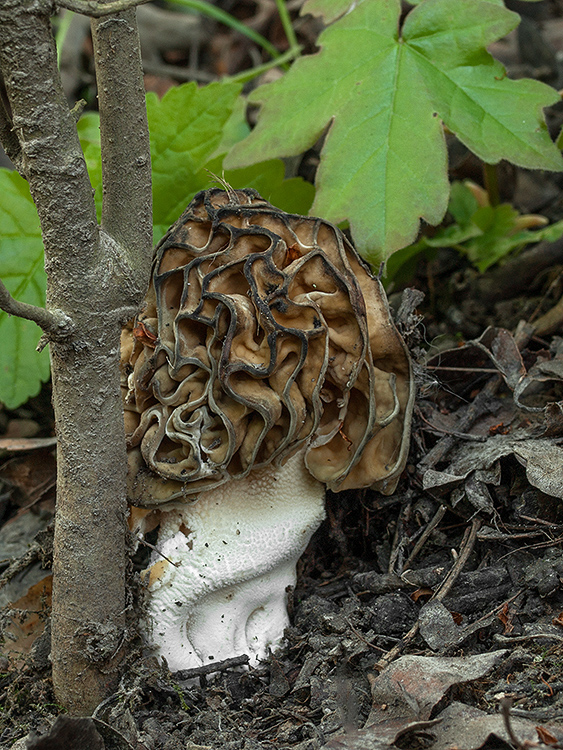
(463, 560)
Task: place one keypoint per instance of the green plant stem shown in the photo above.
(490, 174)
(286, 23)
(200, 6)
(248, 75)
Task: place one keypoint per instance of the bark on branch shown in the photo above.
(126, 167)
(55, 323)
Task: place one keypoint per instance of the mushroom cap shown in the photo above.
(262, 333)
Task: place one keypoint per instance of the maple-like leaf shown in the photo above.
(382, 94)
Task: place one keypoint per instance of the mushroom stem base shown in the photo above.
(219, 587)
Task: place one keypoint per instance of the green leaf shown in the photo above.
(22, 369)
(499, 236)
(463, 203)
(496, 117)
(495, 240)
(186, 127)
(453, 235)
(552, 232)
(383, 99)
(485, 234)
(191, 130)
(294, 195)
(236, 127)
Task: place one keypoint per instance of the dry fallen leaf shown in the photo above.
(546, 737)
(467, 728)
(29, 614)
(413, 685)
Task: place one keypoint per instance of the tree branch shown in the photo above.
(55, 323)
(99, 9)
(126, 166)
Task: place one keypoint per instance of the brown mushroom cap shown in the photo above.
(262, 333)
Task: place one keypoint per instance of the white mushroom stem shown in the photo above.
(234, 551)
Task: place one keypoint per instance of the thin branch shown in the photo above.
(205, 669)
(478, 407)
(424, 537)
(505, 706)
(98, 10)
(466, 548)
(90, 286)
(53, 161)
(55, 323)
(126, 164)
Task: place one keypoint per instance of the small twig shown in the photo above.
(361, 637)
(548, 292)
(550, 321)
(158, 552)
(424, 536)
(537, 545)
(466, 548)
(523, 638)
(188, 674)
(476, 370)
(19, 564)
(396, 650)
(399, 541)
(505, 706)
(467, 544)
(482, 622)
(541, 521)
(14, 445)
(55, 323)
(461, 435)
(95, 9)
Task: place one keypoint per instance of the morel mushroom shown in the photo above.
(264, 368)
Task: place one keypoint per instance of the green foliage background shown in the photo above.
(379, 94)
